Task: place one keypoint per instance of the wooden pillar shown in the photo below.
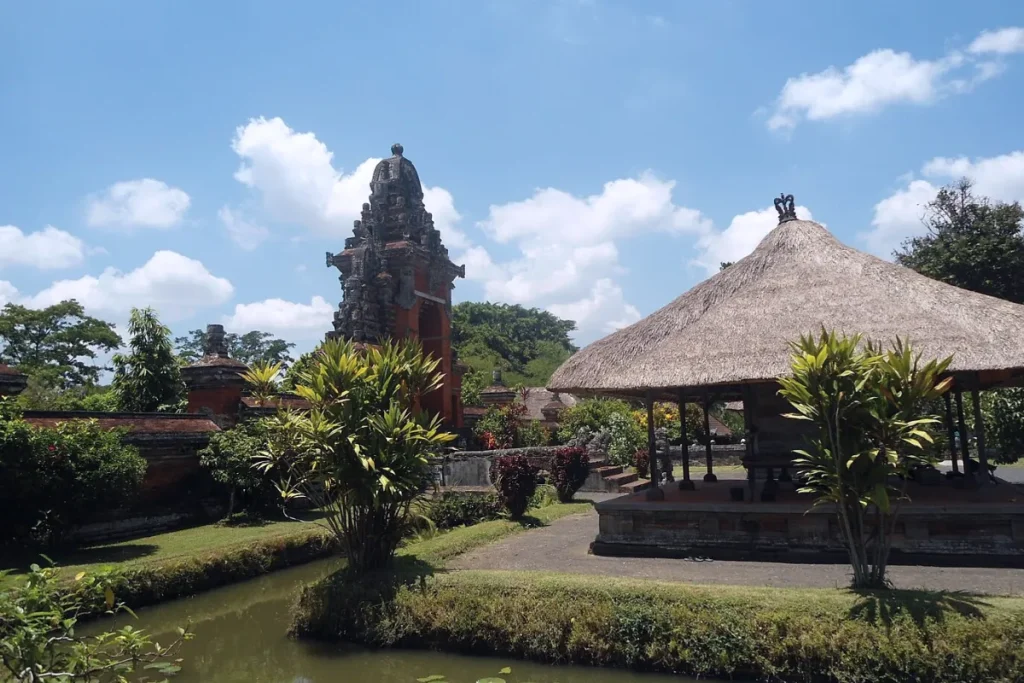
(965, 446)
(949, 430)
(979, 428)
(710, 476)
(686, 484)
(748, 430)
(654, 492)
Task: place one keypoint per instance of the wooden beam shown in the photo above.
(950, 431)
(686, 484)
(965, 447)
(655, 492)
(979, 432)
(710, 476)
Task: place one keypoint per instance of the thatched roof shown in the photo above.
(734, 327)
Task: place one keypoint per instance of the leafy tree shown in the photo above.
(149, 377)
(473, 383)
(58, 343)
(249, 348)
(230, 458)
(41, 395)
(867, 406)
(360, 452)
(293, 371)
(39, 629)
(1004, 423)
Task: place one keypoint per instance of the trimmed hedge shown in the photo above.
(766, 634)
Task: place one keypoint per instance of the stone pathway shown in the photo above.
(563, 547)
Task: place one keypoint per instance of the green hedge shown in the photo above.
(765, 634)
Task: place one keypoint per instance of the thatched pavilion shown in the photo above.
(728, 338)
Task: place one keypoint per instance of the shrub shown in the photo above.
(642, 463)
(627, 437)
(592, 415)
(460, 508)
(569, 469)
(1004, 423)
(532, 434)
(516, 481)
(230, 459)
(54, 479)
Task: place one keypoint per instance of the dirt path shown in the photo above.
(563, 547)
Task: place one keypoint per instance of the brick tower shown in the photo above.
(397, 279)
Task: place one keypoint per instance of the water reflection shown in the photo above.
(241, 636)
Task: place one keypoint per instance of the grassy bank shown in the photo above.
(722, 631)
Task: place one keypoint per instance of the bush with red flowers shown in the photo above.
(642, 463)
(569, 469)
(516, 481)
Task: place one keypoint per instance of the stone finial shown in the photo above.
(496, 378)
(215, 345)
(397, 149)
(786, 206)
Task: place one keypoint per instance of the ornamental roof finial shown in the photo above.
(786, 206)
(397, 149)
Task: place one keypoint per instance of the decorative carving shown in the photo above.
(406, 288)
(786, 206)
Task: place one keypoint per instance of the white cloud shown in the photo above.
(1002, 42)
(287, 318)
(885, 77)
(244, 233)
(294, 175)
(603, 310)
(898, 216)
(8, 293)
(144, 203)
(175, 285)
(744, 233)
(45, 249)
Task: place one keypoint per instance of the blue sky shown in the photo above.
(593, 158)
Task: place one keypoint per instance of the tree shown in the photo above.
(360, 452)
(148, 378)
(249, 348)
(39, 629)
(230, 456)
(58, 343)
(971, 243)
(867, 406)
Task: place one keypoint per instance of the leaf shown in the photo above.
(79, 576)
(506, 671)
(431, 679)
(108, 596)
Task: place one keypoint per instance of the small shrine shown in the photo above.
(397, 279)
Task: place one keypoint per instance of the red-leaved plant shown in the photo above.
(516, 481)
(642, 463)
(569, 469)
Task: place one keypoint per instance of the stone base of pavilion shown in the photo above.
(942, 525)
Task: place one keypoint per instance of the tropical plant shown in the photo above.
(1004, 423)
(262, 378)
(642, 463)
(249, 348)
(532, 433)
(516, 481)
(229, 458)
(504, 424)
(40, 640)
(459, 508)
(360, 452)
(591, 415)
(569, 469)
(866, 405)
(627, 437)
(148, 378)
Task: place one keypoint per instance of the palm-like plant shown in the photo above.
(868, 406)
(360, 452)
(262, 378)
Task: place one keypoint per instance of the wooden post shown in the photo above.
(686, 484)
(979, 428)
(710, 476)
(654, 492)
(949, 430)
(748, 429)
(965, 447)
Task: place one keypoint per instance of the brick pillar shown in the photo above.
(215, 381)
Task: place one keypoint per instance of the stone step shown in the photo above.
(635, 486)
(598, 463)
(609, 470)
(622, 478)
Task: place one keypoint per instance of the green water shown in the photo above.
(240, 636)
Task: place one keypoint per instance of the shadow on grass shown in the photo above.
(19, 559)
(884, 607)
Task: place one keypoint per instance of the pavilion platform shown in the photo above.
(941, 525)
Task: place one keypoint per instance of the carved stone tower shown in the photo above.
(397, 279)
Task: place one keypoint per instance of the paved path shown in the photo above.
(563, 547)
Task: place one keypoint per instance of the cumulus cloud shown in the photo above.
(287, 318)
(885, 77)
(243, 232)
(8, 293)
(175, 285)
(45, 249)
(144, 203)
(604, 309)
(898, 216)
(744, 233)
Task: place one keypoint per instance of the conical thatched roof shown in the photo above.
(734, 327)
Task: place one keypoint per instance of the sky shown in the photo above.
(593, 158)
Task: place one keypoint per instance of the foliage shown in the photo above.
(971, 243)
(54, 479)
(506, 427)
(866, 405)
(532, 434)
(722, 265)
(473, 383)
(704, 632)
(459, 508)
(293, 371)
(250, 348)
(627, 437)
(40, 642)
(360, 452)
(1004, 423)
(148, 379)
(262, 379)
(42, 395)
(516, 481)
(569, 469)
(527, 343)
(58, 343)
(731, 419)
(230, 456)
(642, 463)
(590, 415)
